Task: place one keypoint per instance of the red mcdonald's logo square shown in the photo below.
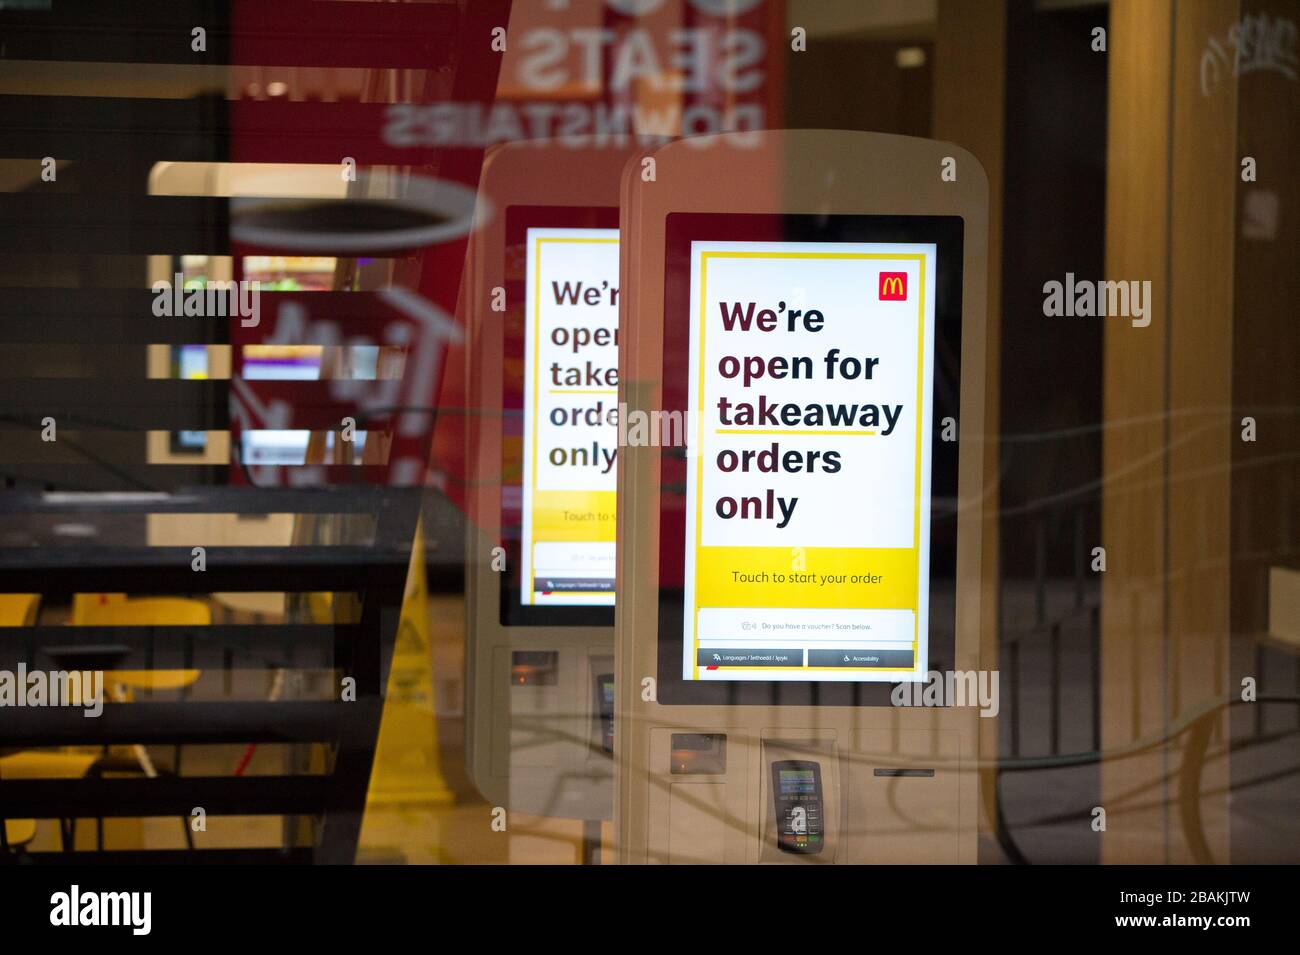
(893, 286)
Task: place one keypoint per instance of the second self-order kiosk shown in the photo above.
(542, 306)
(799, 497)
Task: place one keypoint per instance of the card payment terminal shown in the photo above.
(797, 790)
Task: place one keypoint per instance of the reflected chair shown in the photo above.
(21, 610)
(117, 610)
(144, 612)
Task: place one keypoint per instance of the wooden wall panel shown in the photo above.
(1170, 182)
(969, 110)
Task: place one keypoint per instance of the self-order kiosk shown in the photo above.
(542, 308)
(799, 492)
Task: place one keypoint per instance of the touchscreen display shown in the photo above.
(808, 477)
(570, 417)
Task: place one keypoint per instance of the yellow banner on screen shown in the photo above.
(882, 578)
(562, 516)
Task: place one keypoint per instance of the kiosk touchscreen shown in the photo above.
(799, 521)
(543, 372)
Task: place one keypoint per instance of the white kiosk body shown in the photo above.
(542, 312)
(808, 307)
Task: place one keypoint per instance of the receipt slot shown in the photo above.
(799, 499)
(542, 311)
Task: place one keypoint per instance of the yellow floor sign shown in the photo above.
(407, 769)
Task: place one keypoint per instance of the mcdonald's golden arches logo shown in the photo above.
(893, 286)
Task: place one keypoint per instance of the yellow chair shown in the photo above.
(103, 610)
(321, 607)
(20, 610)
(116, 610)
(19, 832)
(64, 764)
(86, 605)
(145, 612)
